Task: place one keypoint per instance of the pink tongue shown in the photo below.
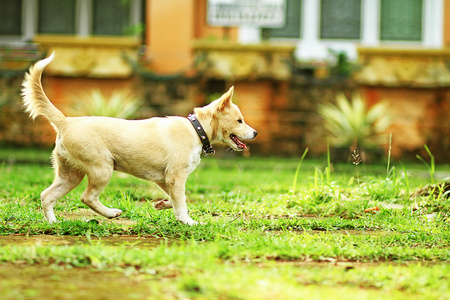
(238, 142)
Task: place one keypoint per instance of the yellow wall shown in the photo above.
(172, 26)
(169, 34)
(447, 23)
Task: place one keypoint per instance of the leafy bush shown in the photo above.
(119, 105)
(353, 123)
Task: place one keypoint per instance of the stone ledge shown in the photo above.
(395, 67)
(96, 57)
(234, 61)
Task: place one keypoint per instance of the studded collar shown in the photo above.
(208, 150)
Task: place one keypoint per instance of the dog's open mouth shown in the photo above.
(238, 142)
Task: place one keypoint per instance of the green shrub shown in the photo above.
(352, 123)
(119, 105)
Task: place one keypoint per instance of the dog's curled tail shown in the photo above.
(34, 99)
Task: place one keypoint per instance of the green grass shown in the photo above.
(273, 228)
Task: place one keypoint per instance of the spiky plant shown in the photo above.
(352, 123)
(120, 105)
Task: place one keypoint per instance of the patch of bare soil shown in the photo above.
(435, 189)
(88, 214)
(45, 282)
(65, 240)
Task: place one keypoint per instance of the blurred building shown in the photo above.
(177, 54)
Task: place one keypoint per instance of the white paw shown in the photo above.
(114, 213)
(188, 221)
(51, 221)
(163, 204)
(50, 218)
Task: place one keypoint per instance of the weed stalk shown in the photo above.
(356, 160)
(431, 167)
(328, 169)
(294, 183)
(407, 185)
(389, 154)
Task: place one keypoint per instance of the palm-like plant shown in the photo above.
(119, 105)
(352, 123)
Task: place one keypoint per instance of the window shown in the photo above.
(319, 25)
(56, 16)
(10, 17)
(111, 17)
(20, 20)
(292, 26)
(340, 19)
(401, 20)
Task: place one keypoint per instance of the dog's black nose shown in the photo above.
(255, 133)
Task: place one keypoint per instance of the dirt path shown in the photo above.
(45, 282)
(61, 240)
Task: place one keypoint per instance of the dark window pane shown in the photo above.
(292, 26)
(10, 17)
(57, 16)
(340, 19)
(111, 17)
(401, 20)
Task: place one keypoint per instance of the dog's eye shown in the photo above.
(239, 120)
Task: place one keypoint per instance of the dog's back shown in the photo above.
(142, 148)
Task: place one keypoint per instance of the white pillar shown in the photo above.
(309, 46)
(83, 21)
(248, 34)
(433, 23)
(371, 24)
(29, 21)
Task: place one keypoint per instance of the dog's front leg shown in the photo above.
(175, 188)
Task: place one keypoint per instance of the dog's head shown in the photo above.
(227, 123)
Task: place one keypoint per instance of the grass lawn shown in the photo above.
(272, 229)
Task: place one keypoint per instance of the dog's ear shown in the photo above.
(225, 99)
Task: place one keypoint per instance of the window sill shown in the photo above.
(403, 51)
(73, 40)
(265, 46)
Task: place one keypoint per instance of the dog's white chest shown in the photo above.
(194, 158)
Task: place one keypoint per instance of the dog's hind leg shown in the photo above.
(165, 203)
(97, 180)
(66, 179)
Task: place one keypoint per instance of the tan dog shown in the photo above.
(162, 150)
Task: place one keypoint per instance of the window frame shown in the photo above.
(83, 21)
(311, 46)
(373, 21)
